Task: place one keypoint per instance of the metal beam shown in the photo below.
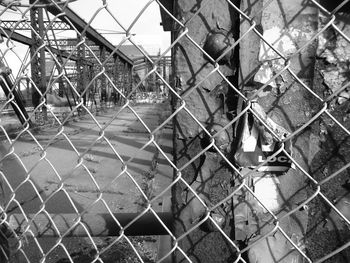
(25, 25)
(16, 37)
(28, 41)
(167, 20)
(143, 59)
(8, 88)
(71, 17)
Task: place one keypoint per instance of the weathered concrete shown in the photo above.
(326, 230)
(207, 102)
(286, 25)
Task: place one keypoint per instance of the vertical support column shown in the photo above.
(194, 84)
(115, 79)
(121, 78)
(90, 92)
(61, 86)
(111, 69)
(124, 80)
(103, 78)
(159, 71)
(147, 81)
(94, 88)
(28, 98)
(118, 79)
(153, 81)
(81, 69)
(38, 69)
(130, 68)
(108, 88)
(164, 76)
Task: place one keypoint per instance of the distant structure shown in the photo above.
(142, 66)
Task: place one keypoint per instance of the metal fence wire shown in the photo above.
(246, 128)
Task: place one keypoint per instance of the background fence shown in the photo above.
(248, 132)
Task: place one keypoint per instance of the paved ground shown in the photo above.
(100, 170)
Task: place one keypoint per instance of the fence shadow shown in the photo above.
(27, 198)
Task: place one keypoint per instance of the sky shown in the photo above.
(147, 28)
(146, 31)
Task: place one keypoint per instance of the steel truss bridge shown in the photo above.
(86, 51)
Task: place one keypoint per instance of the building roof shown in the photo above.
(132, 51)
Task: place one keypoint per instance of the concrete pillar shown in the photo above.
(205, 97)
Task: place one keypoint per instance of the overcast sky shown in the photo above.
(147, 28)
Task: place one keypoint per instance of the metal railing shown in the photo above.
(100, 170)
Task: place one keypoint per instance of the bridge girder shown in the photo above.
(25, 25)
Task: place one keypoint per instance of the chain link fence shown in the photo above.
(87, 173)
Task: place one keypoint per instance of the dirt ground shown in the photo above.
(99, 171)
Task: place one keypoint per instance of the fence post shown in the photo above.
(191, 66)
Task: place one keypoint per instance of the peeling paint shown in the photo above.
(283, 40)
(264, 74)
(280, 40)
(296, 33)
(337, 49)
(334, 77)
(267, 70)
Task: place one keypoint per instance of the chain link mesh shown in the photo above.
(85, 142)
